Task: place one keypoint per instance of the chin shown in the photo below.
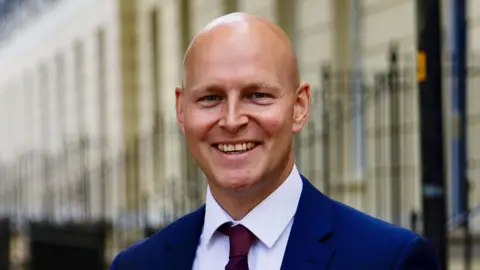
(237, 181)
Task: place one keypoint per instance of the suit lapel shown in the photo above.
(183, 241)
(312, 226)
(306, 248)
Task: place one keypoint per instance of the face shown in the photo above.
(239, 110)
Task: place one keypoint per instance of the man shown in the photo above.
(241, 103)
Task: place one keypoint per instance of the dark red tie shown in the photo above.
(240, 241)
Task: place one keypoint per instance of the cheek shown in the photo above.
(276, 123)
(197, 124)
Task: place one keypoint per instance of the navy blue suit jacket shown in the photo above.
(326, 234)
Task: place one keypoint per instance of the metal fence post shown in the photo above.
(326, 73)
(393, 85)
(85, 177)
(458, 144)
(378, 121)
(429, 77)
(136, 179)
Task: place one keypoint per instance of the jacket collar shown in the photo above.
(183, 240)
(306, 248)
(312, 227)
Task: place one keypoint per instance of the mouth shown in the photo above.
(237, 148)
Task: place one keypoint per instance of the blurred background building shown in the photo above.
(91, 159)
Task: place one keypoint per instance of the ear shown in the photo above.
(301, 107)
(179, 108)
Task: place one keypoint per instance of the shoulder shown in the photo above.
(365, 238)
(152, 250)
(142, 251)
(352, 222)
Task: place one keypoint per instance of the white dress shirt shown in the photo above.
(270, 221)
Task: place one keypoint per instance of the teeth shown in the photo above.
(239, 147)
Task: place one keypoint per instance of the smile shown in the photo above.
(236, 148)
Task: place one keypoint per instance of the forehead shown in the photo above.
(232, 59)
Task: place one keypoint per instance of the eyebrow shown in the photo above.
(247, 86)
(207, 87)
(260, 85)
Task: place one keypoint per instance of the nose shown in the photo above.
(234, 118)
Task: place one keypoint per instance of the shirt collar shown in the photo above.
(266, 220)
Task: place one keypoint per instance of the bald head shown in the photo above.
(243, 33)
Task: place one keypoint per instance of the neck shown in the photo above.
(239, 205)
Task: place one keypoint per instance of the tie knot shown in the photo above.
(240, 237)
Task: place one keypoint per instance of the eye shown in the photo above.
(258, 95)
(211, 98)
(261, 98)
